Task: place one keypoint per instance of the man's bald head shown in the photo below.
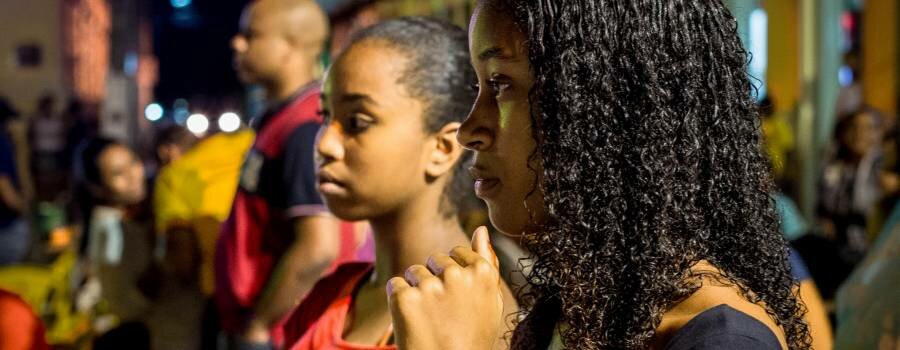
(303, 21)
(280, 42)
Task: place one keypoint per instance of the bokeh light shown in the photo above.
(229, 122)
(153, 112)
(197, 124)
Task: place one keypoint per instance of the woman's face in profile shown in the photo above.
(507, 166)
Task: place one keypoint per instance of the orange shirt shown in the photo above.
(20, 328)
(318, 322)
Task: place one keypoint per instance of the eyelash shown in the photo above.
(356, 124)
(495, 85)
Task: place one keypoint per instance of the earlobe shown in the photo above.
(445, 152)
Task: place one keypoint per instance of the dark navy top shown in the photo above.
(8, 169)
(723, 327)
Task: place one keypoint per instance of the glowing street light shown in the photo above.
(153, 112)
(197, 123)
(229, 122)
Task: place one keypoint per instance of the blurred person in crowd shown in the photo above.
(115, 250)
(20, 327)
(620, 142)
(47, 137)
(387, 153)
(794, 228)
(15, 236)
(850, 186)
(83, 118)
(779, 143)
(192, 197)
(171, 143)
(279, 238)
(868, 303)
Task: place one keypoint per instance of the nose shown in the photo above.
(476, 132)
(328, 143)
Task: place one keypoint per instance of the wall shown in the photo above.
(35, 21)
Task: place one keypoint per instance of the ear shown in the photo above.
(444, 151)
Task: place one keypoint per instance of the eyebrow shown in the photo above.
(357, 97)
(493, 52)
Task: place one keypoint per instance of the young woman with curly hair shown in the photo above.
(619, 140)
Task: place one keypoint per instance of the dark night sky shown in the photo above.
(192, 46)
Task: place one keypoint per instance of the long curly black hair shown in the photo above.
(650, 143)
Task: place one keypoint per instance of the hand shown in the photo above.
(453, 302)
(255, 333)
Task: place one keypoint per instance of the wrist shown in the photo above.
(257, 332)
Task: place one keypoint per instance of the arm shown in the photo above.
(314, 248)
(316, 236)
(816, 316)
(10, 196)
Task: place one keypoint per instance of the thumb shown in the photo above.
(481, 244)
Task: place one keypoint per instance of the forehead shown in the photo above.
(114, 155)
(495, 34)
(258, 16)
(370, 68)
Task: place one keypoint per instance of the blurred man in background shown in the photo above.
(279, 238)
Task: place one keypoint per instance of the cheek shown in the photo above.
(262, 53)
(384, 172)
(120, 187)
(521, 203)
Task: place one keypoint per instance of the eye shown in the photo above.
(498, 86)
(475, 87)
(357, 123)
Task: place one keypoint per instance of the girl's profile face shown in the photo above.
(861, 135)
(499, 127)
(372, 148)
(122, 173)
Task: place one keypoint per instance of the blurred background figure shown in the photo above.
(115, 249)
(850, 186)
(173, 142)
(15, 237)
(279, 238)
(191, 200)
(47, 135)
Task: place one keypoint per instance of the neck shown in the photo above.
(409, 235)
(289, 83)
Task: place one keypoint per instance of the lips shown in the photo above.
(486, 184)
(329, 185)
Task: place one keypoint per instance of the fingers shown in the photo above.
(480, 253)
(481, 244)
(396, 285)
(439, 264)
(419, 276)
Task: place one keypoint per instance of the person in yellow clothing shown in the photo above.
(192, 198)
(194, 193)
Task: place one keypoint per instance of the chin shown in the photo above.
(506, 223)
(347, 210)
